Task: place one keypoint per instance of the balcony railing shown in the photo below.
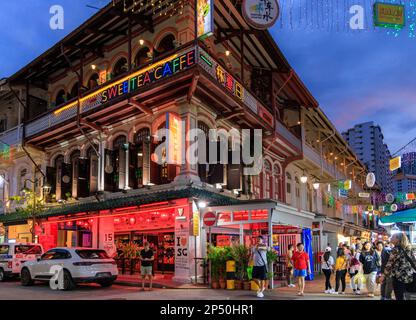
(11, 137)
(289, 136)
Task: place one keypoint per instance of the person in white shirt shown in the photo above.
(327, 266)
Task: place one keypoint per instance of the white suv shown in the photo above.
(79, 265)
(14, 255)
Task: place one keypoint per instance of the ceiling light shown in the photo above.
(316, 185)
(93, 67)
(227, 53)
(141, 42)
(303, 178)
(202, 204)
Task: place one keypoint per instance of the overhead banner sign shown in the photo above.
(364, 195)
(389, 15)
(260, 14)
(205, 18)
(138, 80)
(395, 163)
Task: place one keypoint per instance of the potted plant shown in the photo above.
(272, 256)
(241, 255)
(224, 257)
(214, 256)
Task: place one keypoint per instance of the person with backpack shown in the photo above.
(327, 266)
(401, 266)
(341, 266)
(369, 260)
(386, 287)
(354, 271)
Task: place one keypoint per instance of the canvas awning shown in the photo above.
(402, 216)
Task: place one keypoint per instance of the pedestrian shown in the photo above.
(259, 257)
(302, 266)
(379, 246)
(146, 268)
(369, 261)
(341, 266)
(357, 241)
(354, 271)
(401, 266)
(289, 265)
(327, 266)
(386, 287)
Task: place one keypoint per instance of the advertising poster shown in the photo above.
(182, 254)
(205, 16)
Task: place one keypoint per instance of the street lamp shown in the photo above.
(303, 178)
(316, 185)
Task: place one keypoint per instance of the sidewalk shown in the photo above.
(159, 281)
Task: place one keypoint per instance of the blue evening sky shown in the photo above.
(355, 76)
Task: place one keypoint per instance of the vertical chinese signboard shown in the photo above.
(205, 18)
(173, 139)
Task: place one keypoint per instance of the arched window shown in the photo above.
(288, 188)
(142, 57)
(60, 97)
(119, 153)
(203, 169)
(91, 171)
(74, 91)
(277, 179)
(268, 182)
(59, 162)
(74, 160)
(297, 192)
(139, 159)
(120, 67)
(93, 81)
(165, 45)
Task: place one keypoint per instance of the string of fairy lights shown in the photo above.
(156, 7)
(335, 16)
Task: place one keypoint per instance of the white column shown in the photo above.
(101, 164)
(126, 180)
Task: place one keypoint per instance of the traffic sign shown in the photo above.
(210, 219)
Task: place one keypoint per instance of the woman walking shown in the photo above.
(401, 266)
(289, 265)
(341, 266)
(369, 260)
(354, 271)
(327, 267)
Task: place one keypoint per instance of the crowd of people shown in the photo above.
(390, 265)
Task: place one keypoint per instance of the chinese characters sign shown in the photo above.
(395, 163)
(205, 18)
(261, 14)
(173, 138)
(389, 15)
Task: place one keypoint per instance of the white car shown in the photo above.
(13, 255)
(79, 265)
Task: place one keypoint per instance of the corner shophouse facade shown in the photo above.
(94, 139)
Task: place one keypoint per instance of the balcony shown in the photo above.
(11, 137)
(283, 131)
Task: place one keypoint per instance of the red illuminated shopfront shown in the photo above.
(165, 225)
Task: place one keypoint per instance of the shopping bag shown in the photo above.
(250, 273)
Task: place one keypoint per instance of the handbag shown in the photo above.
(410, 287)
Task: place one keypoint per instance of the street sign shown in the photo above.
(395, 163)
(394, 207)
(209, 219)
(364, 195)
(260, 14)
(389, 198)
(389, 15)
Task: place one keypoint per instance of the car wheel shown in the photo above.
(25, 278)
(2, 275)
(69, 283)
(106, 283)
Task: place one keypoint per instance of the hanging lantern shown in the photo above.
(69, 224)
(91, 221)
(117, 220)
(79, 223)
(132, 220)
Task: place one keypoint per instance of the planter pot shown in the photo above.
(223, 283)
(215, 285)
(238, 285)
(246, 285)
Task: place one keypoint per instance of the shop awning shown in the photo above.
(402, 216)
(214, 198)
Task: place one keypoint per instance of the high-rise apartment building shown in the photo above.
(367, 140)
(404, 179)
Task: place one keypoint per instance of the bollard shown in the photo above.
(230, 269)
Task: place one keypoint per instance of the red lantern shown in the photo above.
(91, 221)
(79, 223)
(86, 224)
(117, 220)
(69, 224)
(132, 220)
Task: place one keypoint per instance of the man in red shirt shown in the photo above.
(302, 266)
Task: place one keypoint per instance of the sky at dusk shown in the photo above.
(356, 77)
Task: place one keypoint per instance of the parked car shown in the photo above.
(14, 255)
(79, 265)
